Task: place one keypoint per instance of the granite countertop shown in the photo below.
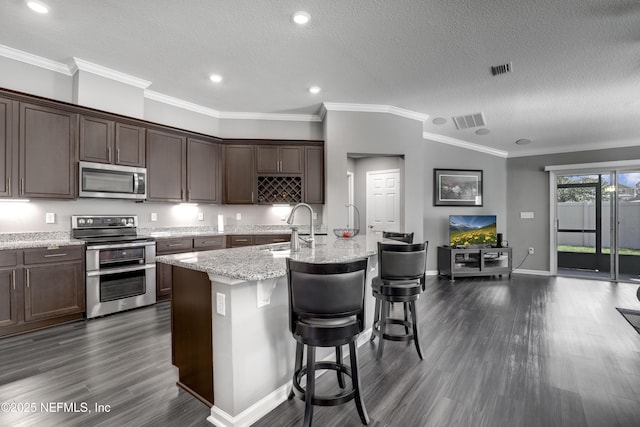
(37, 240)
(266, 261)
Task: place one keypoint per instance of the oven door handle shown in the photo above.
(121, 245)
(105, 272)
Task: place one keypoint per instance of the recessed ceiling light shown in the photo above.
(483, 131)
(523, 141)
(216, 78)
(38, 6)
(314, 90)
(439, 121)
(301, 17)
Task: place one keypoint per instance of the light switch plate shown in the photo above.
(50, 218)
(526, 215)
(238, 216)
(200, 216)
(154, 216)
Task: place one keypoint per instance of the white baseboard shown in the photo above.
(532, 272)
(220, 418)
(432, 272)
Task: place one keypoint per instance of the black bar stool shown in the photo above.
(402, 237)
(401, 278)
(326, 309)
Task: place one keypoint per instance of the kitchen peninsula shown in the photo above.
(230, 336)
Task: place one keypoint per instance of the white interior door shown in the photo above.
(383, 200)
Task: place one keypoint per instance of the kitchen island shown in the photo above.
(230, 336)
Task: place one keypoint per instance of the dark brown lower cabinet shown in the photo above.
(10, 274)
(53, 290)
(40, 288)
(191, 333)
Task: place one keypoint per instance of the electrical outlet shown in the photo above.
(50, 218)
(238, 216)
(531, 251)
(154, 216)
(315, 215)
(200, 216)
(220, 304)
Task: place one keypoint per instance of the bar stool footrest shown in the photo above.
(324, 400)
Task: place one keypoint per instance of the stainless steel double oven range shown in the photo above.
(120, 265)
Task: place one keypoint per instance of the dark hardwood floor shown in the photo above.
(533, 351)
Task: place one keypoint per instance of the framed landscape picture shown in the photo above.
(457, 187)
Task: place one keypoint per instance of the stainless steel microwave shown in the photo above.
(112, 181)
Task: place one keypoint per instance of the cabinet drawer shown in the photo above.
(211, 242)
(240, 240)
(173, 246)
(57, 254)
(8, 258)
(265, 240)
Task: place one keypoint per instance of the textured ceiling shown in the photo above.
(576, 63)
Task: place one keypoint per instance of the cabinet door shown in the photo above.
(8, 297)
(291, 159)
(129, 143)
(6, 148)
(166, 166)
(48, 143)
(53, 290)
(203, 171)
(267, 160)
(239, 175)
(96, 139)
(314, 175)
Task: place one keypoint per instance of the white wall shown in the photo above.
(93, 91)
(34, 80)
(373, 133)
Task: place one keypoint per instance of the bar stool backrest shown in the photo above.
(402, 237)
(326, 291)
(402, 262)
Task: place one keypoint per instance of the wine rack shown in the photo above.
(279, 189)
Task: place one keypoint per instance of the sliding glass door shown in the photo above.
(598, 225)
(627, 262)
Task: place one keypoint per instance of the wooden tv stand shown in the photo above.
(455, 262)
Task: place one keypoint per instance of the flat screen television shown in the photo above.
(472, 231)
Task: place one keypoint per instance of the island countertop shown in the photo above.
(268, 261)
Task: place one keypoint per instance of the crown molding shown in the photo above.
(574, 148)
(373, 108)
(176, 102)
(270, 116)
(35, 60)
(464, 144)
(166, 99)
(82, 65)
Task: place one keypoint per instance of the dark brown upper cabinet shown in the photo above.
(108, 141)
(8, 177)
(166, 166)
(239, 174)
(279, 159)
(314, 174)
(48, 146)
(203, 171)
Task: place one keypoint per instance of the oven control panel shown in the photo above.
(103, 221)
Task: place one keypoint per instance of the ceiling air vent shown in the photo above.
(469, 121)
(502, 69)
